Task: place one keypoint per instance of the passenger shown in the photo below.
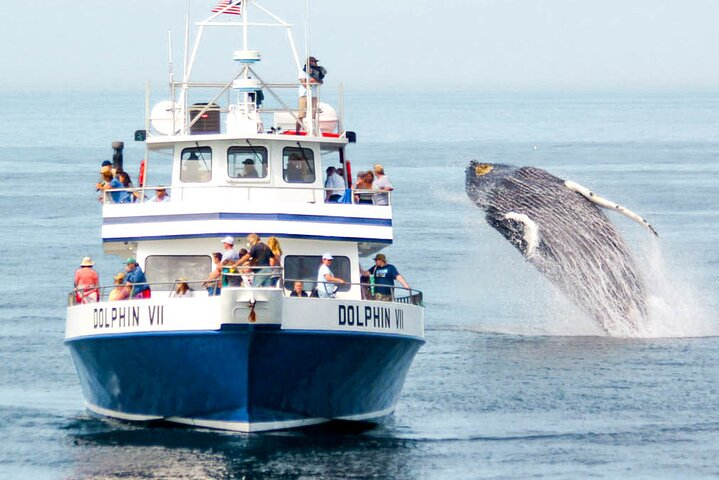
(182, 290)
(135, 278)
(296, 169)
(325, 277)
(110, 183)
(105, 168)
(334, 186)
(213, 284)
(259, 257)
(245, 272)
(382, 185)
(126, 196)
(121, 291)
(298, 290)
(383, 276)
(365, 285)
(276, 260)
(248, 169)
(87, 282)
(309, 83)
(230, 274)
(228, 252)
(364, 185)
(161, 195)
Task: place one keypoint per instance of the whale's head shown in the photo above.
(483, 178)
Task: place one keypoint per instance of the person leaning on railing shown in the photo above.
(383, 275)
(135, 278)
(87, 282)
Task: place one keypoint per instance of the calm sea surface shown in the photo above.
(513, 381)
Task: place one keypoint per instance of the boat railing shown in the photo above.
(249, 192)
(398, 294)
(260, 277)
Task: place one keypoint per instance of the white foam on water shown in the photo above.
(677, 306)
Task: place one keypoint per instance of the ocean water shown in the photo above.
(513, 382)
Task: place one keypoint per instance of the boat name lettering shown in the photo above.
(119, 317)
(367, 316)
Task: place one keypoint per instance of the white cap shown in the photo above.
(327, 256)
(229, 240)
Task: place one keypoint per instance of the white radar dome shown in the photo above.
(167, 117)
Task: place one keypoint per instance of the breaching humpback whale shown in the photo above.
(558, 226)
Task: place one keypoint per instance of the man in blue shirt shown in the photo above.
(135, 278)
(384, 276)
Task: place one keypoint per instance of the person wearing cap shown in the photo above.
(384, 276)
(161, 195)
(248, 169)
(312, 76)
(381, 186)
(87, 282)
(135, 278)
(325, 277)
(228, 252)
(121, 291)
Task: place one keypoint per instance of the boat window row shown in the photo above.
(247, 163)
(166, 269)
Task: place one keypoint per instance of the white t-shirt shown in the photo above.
(381, 182)
(335, 184)
(325, 290)
(230, 255)
(303, 90)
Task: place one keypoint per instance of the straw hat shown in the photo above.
(87, 262)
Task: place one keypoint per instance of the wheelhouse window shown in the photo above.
(298, 165)
(196, 165)
(305, 268)
(247, 162)
(165, 270)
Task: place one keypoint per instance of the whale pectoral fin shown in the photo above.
(520, 230)
(609, 205)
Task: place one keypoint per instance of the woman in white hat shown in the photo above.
(87, 282)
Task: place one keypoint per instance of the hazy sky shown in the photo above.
(420, 44)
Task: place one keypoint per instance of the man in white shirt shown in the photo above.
(325, 278)
(229, 253)
(334, 186)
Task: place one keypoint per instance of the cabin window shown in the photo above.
(247, 162)
(164, 270)
(196, 165)
(298, 165)
(305, 268)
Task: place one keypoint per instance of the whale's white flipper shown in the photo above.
(531, 231)
(604, 203)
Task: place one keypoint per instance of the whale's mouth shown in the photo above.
(483, 169)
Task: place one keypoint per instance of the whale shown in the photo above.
(560, 227)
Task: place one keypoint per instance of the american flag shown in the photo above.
(232, 9)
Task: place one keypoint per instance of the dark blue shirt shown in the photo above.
(383, 278)
(134, 276)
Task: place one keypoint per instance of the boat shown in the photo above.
(250, 356)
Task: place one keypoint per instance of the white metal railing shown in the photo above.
(260, 278)
(246, 191)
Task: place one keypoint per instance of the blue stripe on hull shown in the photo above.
(244, 375)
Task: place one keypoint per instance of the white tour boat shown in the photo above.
(250, 357)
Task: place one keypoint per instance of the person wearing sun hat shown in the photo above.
(87, 282)
(383, 276)
(121, 291)
(135, 278)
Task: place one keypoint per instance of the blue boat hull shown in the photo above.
(244, 378)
